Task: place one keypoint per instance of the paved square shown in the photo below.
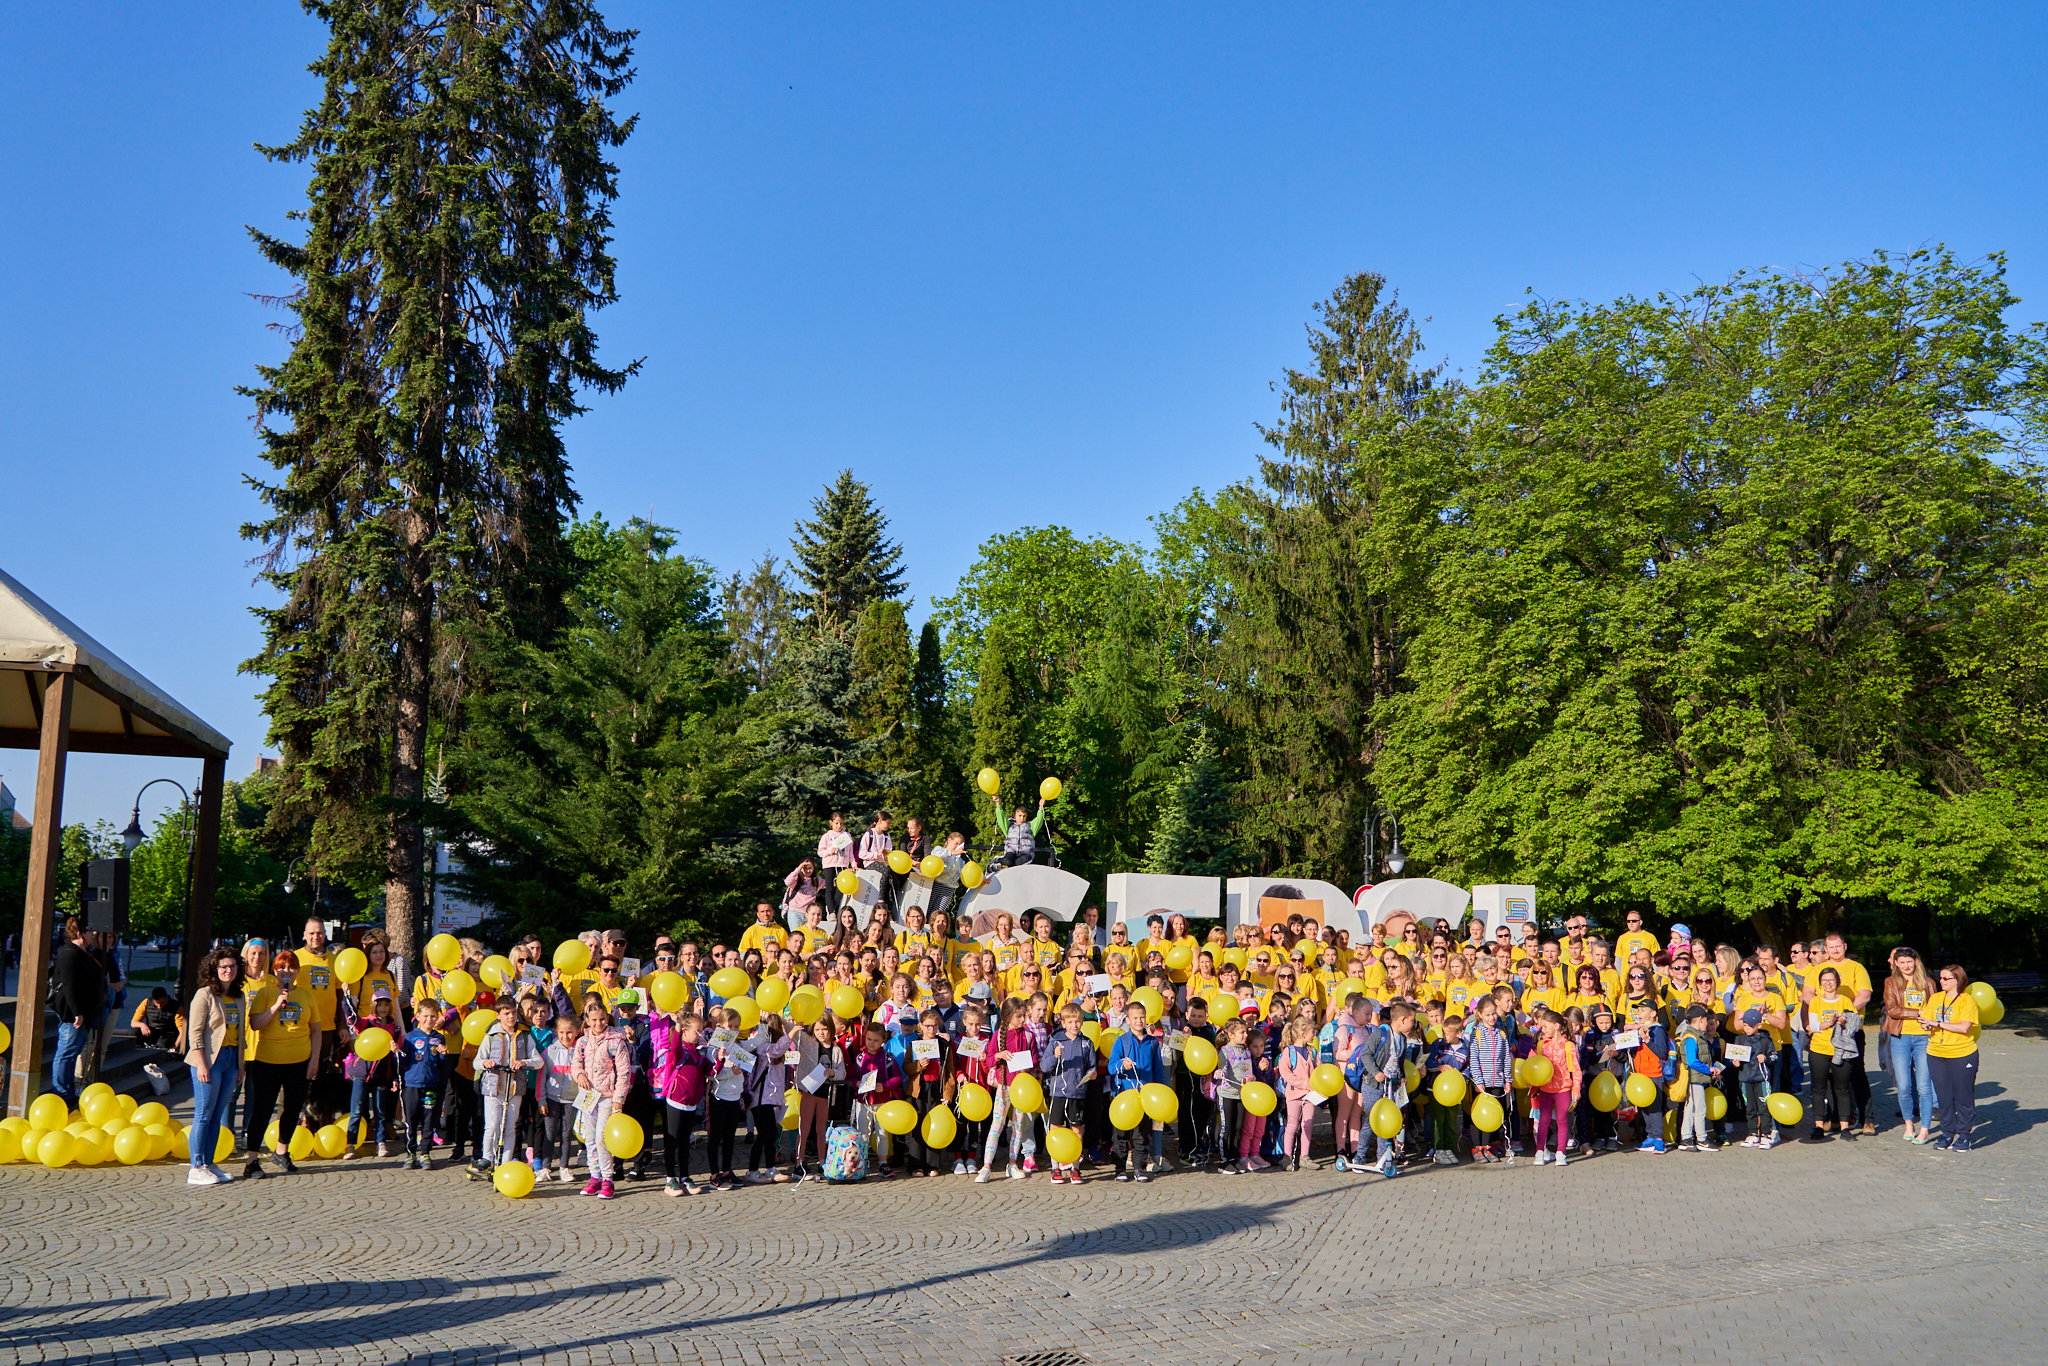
(1859, 1253)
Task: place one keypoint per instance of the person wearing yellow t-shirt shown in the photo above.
(1906, 993)
(1832, 1093)
(378, 975)
(764, 936)
(1954, 1026)
(1540, 991)
(1634, 937)
(1155, 940)
(317, 973)
(1042, 948)
(286, 1060)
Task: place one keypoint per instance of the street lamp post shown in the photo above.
(1396, 859)
(131, 840)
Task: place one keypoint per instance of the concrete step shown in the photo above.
(125, 1056)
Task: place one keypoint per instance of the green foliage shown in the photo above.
(760, 615)
(817, 763)
(1001, 732)
(1196, 831)
(843, 558)
(881, 670)
(937, 759)
(249, 895)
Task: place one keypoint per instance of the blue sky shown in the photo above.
(1013, 264)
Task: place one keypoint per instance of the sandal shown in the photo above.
(1868, 1127)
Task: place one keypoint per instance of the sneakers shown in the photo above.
(285, 1164)
(1124, 1177)
(1561, 1159)
(1961, 1145)
(1944, 1144)
(1017, 1173)
(1654, 1146)
(1510, 1157)
(1030, 1164)
(1058, 1177)
(219, 1176)
(1542, 1159)
(383, 1150)
(1769, 1141)
(201, 1176)
(1166, 1164)
(348, 1154)
(604, 1190)
(673, 1187)
(981, 1177)
(959, 1169)
(778, 1176)
(253, 1168)
(591, 1187)
(1752, 1141)
(1144, 1176)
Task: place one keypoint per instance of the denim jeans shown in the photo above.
(370, 1103)
(1910, 1076)
(210, 1104)
(71, 1041)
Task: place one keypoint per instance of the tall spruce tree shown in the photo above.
(456, 244)
(843, 558)
(760, 612)
(937, 793)
(1002, 733)
(882, 668)
(818, 764)
(1195, 832)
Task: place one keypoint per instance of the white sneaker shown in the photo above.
(959, 1169)
(1560, 1157)
(1016, 1173)
(1542, 1159)
(200, 1176)
(981, 1177)
(223, 1177)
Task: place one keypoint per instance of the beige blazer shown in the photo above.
(206, 1026)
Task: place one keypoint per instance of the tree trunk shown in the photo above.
(412, 681)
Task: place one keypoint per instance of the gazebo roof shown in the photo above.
(115, 710)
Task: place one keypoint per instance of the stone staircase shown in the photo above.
(125, 1059)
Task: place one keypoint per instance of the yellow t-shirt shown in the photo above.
(231, 1006)
(1916, 1001)
(1432, 988)
(1375, 979)
(1584, 1002)
(1821, 1014)
(1628, 941)
(257, 994)
(365, 990)
(1947, 1009)
(1551, 997)
(1769, 1002)
(1854, 977)
(767, 940)
(912, 943)
(1048, 954)
(808, 941)
(1007, 955)
(1458, 997)
(574, 985)
(289, 1037)
(317, 973)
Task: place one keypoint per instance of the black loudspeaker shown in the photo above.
(103, 888)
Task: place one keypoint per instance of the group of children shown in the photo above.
(940, 1017)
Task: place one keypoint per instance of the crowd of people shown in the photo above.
(1253, 1049)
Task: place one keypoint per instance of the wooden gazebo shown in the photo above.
(61, 690)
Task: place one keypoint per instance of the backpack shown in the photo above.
(846, 1154)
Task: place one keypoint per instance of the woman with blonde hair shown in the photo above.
(1906, 993)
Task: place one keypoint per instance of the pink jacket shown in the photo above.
(1564, 1064)
(605, 1065)
(1294, 1075)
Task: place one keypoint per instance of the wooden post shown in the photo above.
(205, 876)
(40, 905)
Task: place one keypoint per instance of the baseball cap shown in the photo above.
(1753, 1016)
(1698, 1013)
(1248, 1008)
(1602, 1008)
(382, 993)
(977, 991)
(1680, 932)
(629, 997)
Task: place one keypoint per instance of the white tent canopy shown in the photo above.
(116, 709)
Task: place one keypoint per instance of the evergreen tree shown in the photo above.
(937, 793)
(1001, 734)
(842, 557)
(1115, 721)
(882, 670)
(818, 764)
(760, 611)
(1194, 834)
(457, 235)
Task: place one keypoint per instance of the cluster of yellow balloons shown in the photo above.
(991, 782)
(1154, 1101)
(1990, 1010)
(107, 1127)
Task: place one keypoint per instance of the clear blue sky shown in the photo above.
(1013, 264)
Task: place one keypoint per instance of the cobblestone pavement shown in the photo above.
(1842, 1253)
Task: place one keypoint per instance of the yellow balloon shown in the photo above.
(792, 1109)
(6, 1038)
(1049, 790)
(1991, 1014)
(1180, 955)
(152, 1113)
(513, 1180)
(971, 875)
(730, 982)
(1234, 956)
(940, 1128)
(1091, 1031)
(30, 1138)
(458, 988)
(1540, 1070)
(1349, 987)
(1640, 1090)
(1678, 1086)
(932, 866)
(623, 1136)
(806, 1004)
(223, 1145)
(351, 964)
(1604, 1092)
(847, 881)
(1449, 1089)
(496, 971)
(1127, 1111)
(772, 994)
(114, 1125)
(572, 955)
(1222, 1005)
(55, 1148)
(1784, 1108)
(181, 1143)
(1385, 1118)
(86, 1150)
(1326, 1080)
(1411, 1075)
(1717, 1104)
(1105, 1039)
(1063, 1145)
(1983, 993)
(98, 1088)
(1487, 1114)
(373, 1045)
(1026, 1094)
(1154, 1003)
(475, 1025)
(301, 1146)
(1199, 1054)
(132, 1145)
(899, 862)
(49, 1112)
(444, 951)
(989, 781)
(329, 1141)
(1259, 1098)
(100, 1108)
(270, 1137)
(897, 1116)
(749, 1010)
(128, 1105)
(847, 1002)
(975, 1103)
(159, 1136)
(1162, 1106)
(668, 991)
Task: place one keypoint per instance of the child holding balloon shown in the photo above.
(603, 1070)
(1554, 1095)
(1135, 1061)
(371, 1083)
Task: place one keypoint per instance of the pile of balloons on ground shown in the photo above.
(105, 1128)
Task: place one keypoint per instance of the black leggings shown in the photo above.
(767, 1130)
(1831, 1077)
(677, 1125)
(266, 1081)
(725, 1118)
(1233, 1126)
